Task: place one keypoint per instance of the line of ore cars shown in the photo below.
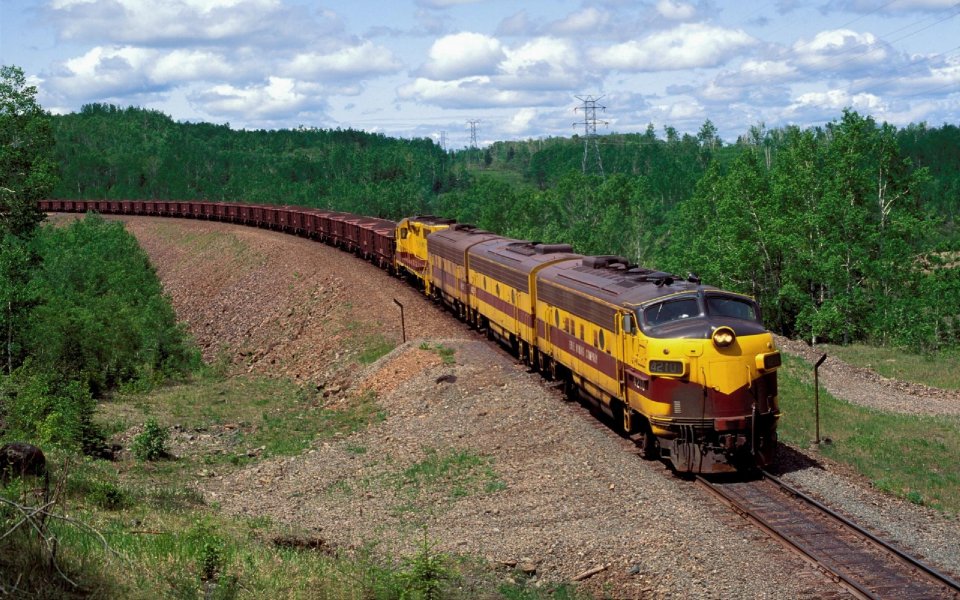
(687, 370)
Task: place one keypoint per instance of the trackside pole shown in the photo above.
(403, 326)
(816, 392)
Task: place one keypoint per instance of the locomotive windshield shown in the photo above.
(731, 306)
(712, 305)
(671, 310)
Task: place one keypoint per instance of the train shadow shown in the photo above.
(790, 460)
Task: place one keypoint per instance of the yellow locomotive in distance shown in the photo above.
(688, 370)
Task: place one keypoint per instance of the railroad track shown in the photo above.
(860, 562)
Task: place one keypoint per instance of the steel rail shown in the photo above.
(850, 585)
(844, 580)
(914, 562)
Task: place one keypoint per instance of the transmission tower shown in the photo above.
(589, 125)
(473, 135)
(443, 140)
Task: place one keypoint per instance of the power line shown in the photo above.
(589, 124)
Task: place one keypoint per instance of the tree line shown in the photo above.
(844, 232)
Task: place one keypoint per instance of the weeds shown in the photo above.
(425, 574)
(151, 444)
(446, 354)
(441, 477)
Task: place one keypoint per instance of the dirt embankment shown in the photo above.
(535, 486)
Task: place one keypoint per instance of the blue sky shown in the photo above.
(424, 68)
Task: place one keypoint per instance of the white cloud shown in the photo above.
(352, 61)
(690, 45)
(841, 50)
(675, 11)
(445, 3)
(886, 6)
(679, 111)
(160, 22)
(766, 70)
(471, 92)
(542, 63)
(837, 100)
(521, 121)
(277, 97)
(104, 72)
(463, 54)
(189, 65)
(516, 24)
(587, 20)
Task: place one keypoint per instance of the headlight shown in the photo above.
(766, 362)
(723, 337)
(666, 367)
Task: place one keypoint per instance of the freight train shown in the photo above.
(687, 370)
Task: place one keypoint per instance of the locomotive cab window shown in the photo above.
(671, 310)
(729, 306)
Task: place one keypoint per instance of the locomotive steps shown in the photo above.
(514, 477)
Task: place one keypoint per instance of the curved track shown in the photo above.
(865, 565)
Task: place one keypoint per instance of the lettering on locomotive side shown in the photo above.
(582, 351)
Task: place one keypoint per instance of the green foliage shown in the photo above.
(373, 348)
(27, 174)
(110, 152)
(445, 353)
(453, 473)
(48, 409)
(104, 320)
(109, 496)
(941, 369)
(151, 443)
(27, 169)
(425, 574)
(826, 233)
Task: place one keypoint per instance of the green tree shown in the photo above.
(27, 174)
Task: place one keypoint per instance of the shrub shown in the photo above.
(151, 444)
(43, 408)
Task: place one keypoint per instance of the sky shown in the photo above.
(516, 69)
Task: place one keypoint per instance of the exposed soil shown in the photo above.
(542, 492)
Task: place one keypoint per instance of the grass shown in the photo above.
(217, 242)
(138, 529)
(446, 354)
(454, 474)
(914, 457)
(246, 413)
(938, 370)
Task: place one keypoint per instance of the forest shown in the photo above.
(846, 232)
